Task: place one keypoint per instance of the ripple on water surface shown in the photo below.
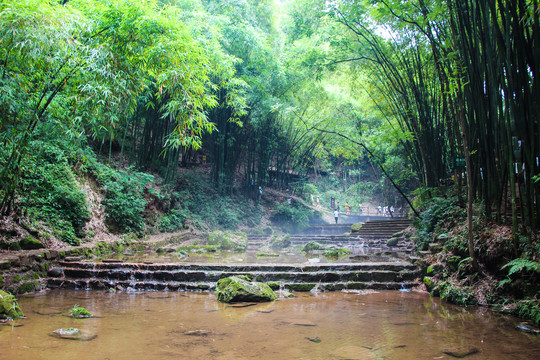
(337, 325)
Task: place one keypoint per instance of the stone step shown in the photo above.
(214, 276)
(203, 276)
(93, 284)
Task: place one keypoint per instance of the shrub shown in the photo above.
(50, 192)
(174, 220)
(291, 217)
(228, 240)
(124, 196)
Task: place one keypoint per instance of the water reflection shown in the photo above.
(337, 325)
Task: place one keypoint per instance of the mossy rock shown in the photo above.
(392, 241)
(14, 246)
(280, 242)
(228, 240)
(356, 227)
(1, 280)
(79, 312)
(8, 306)
(312, 246)
(27, 287)
(241, 289)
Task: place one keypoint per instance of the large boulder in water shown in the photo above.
(8, 306)
(241, 289)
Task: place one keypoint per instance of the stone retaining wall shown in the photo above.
(26, 270)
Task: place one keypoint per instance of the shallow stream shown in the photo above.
(193, 325)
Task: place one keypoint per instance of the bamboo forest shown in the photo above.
(299, 179)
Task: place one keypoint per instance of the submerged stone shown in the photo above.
(8, 306)
(72, 334)
(241, 289)
(528, 329)
(461, 353)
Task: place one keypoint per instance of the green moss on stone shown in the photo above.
(392, 241)
(300, 287)
(356, 227)
(239, 288)
(35, 276)
(356, 285)
(8, 306)
(16, 278)
(267, 254)
(14, 246)
(311, 246)
(1, 280)
(29, 243)
(28, 287)
(79, 312)
(274, 285)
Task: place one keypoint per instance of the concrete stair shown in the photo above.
(382, 229)
(174, 277)
(373, 234)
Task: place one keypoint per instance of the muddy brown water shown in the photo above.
(193, 325)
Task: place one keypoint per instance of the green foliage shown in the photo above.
(522, 265)
(124, 196)
(174, 220)
(455, 294)
(228, 240)
(436, 210)
(50, 191)
(291, 218)
(9, 306)
(79, 312)
(202, 205)
(528, 309)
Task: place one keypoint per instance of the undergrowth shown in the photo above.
(507, 277)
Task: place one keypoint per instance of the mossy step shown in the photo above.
(92, 284)
(214, 276)
(394, 265)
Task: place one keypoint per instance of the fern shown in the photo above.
(520, 265)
